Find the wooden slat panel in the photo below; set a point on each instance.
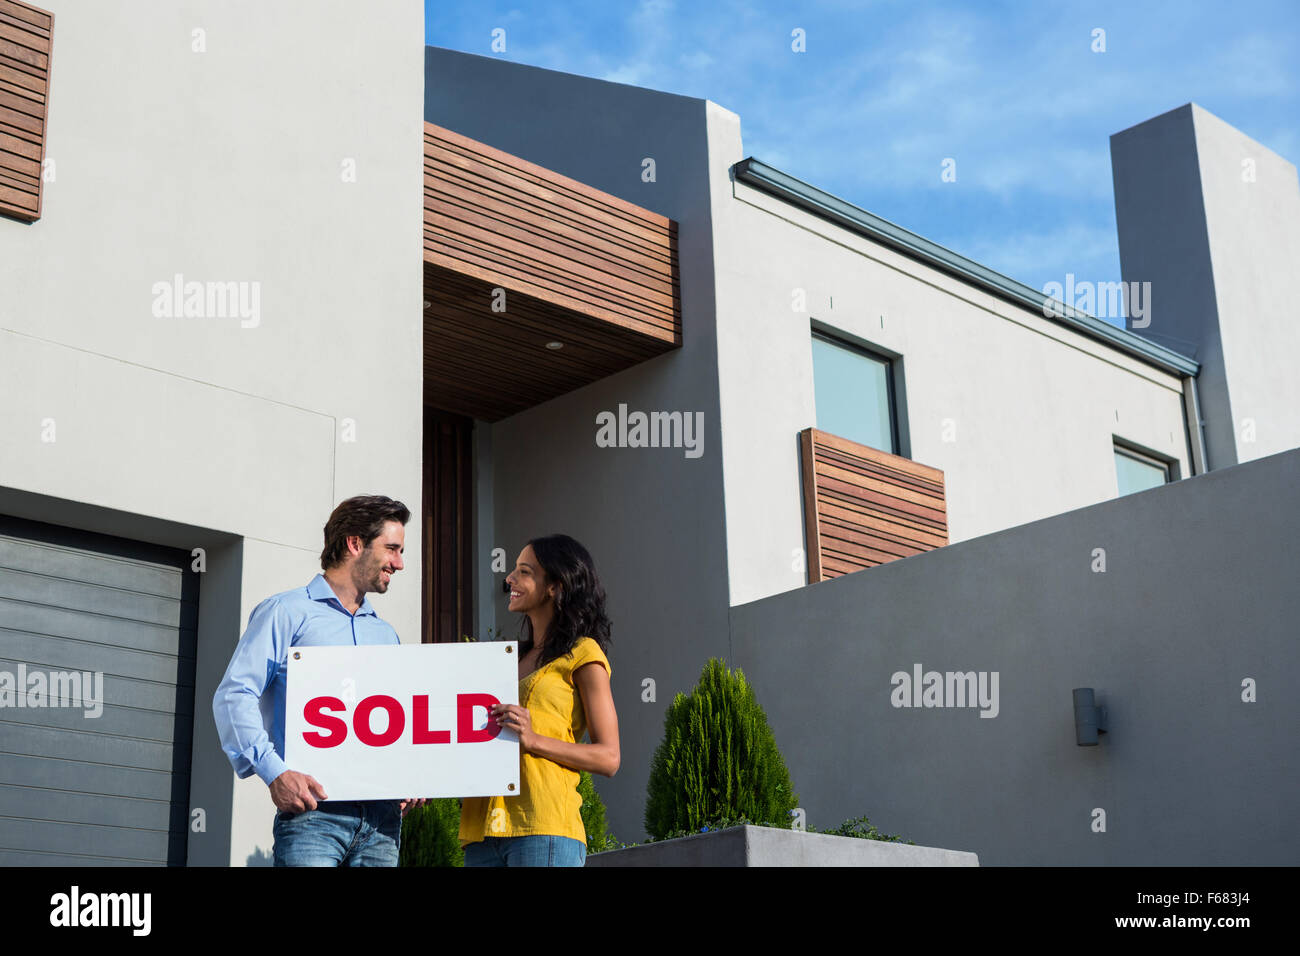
(42, 19)
(852, 518)
(19, 181)
(854, 495)
(812, 507)
(492, 234)
(33, 84)
(20, 53)
(836, 476)
(861, 556)
(467, 167)
(504, 266)
(21, 147)
(21, 125)
(519, 274)
(864, 507)
(22, 24)
(16, 199)
(873, 468)
(867, 454)
(26, 37)
(603, 205)
(621, 246)
(578, 266)
(27, 168)
(18, 102)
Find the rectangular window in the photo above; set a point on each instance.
(25, 37)
(1138, 471)
(854, 391)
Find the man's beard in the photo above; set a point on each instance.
(373, 577)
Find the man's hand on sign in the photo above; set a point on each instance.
(516, 718)
(409, 805)
(295, 792)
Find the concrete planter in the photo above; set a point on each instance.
(768, 846)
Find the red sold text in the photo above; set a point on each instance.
(336, 728)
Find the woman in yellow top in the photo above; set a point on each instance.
(563, 694)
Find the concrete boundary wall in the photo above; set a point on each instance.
(1195, 611)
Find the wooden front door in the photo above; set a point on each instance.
(448, 538)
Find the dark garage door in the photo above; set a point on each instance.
(76, 789)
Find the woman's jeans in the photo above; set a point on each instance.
(532, 850)
(340, 833)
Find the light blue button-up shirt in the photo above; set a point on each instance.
(249, 703)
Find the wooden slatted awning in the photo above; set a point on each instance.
(518, 257)
(864, 507)
(26, 34)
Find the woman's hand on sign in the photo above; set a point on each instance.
(514, 718)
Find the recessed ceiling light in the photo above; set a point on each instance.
(553, 346)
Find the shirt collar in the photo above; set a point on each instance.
(319, 590)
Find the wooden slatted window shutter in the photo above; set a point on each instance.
(26, 35)
(864, 507)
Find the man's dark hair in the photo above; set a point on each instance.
(365, 516)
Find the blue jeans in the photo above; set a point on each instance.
(533, 850)
(340, 833)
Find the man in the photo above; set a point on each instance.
(364, 540)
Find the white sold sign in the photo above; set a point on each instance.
(387, 723)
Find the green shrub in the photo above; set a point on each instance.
(593, 814)
(430, 835)
(599, 839)
(722, 823)
(718, 760)
(863, 828)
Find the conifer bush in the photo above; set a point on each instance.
(592, 812)
(718, 761)
(431, 835)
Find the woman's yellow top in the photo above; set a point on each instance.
(548, 800)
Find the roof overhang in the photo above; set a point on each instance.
(773, 181)
(519, 260)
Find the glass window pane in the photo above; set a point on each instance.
(1134, 475)
(852, 394)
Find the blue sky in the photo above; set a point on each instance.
(887, 90)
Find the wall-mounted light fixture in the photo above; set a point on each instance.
(1089, 719)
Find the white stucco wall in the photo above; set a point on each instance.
(225, 165)
(1252, 215)
(1033, 407)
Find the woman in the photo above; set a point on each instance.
(563, 693)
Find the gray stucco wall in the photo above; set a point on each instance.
(651, 517)
(1211, 219)
(1197, 596)
(225, 163)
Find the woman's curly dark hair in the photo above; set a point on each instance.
(579, 603)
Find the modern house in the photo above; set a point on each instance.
(730, 385)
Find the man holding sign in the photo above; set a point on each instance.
(364, 540)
